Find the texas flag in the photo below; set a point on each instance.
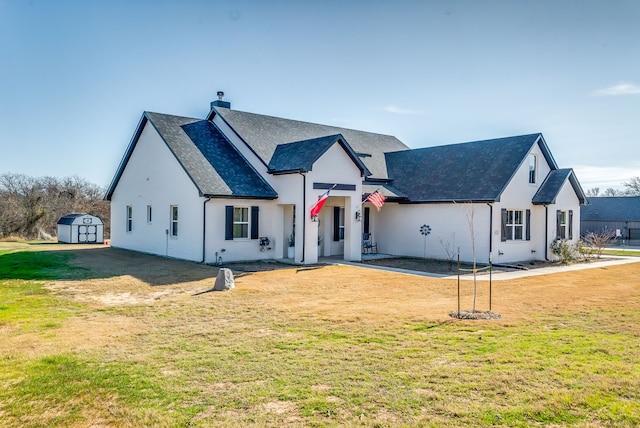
(315, 209)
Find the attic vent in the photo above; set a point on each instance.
(364, 155)
(219, 102)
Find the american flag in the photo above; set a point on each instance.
(377, 199)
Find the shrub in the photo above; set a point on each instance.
(565, 250)
(584, 250)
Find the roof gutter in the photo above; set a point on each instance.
(204, 229)
(490, 234)
(546, 232)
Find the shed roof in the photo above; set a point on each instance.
(474, 171)
(71, 218)
(613, 208)
(263, 134)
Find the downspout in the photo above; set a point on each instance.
(304, 218)
(546, 232)
(490, 232)
(204, 228)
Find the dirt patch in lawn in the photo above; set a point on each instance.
(337, 293)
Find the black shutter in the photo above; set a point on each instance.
(336, 223)
(503, 234)
(570, 225)
(528, 226)
(254, 222)
(367, 212)
(228, 223)
(558, 220)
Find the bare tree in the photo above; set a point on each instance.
(469, 211)
(599, 240)
(593, 192)
(613, 192)
(31, 207)
(449, 249)
(633, 186)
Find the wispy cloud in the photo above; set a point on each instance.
(621, 88)
(398, 110)
(605, 176)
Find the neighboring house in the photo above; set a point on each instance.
(619, 213)
(237, 186)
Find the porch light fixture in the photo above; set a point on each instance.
(358, 215)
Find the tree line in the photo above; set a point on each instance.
(31, 207)
(632, 188)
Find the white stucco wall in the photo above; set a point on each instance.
(154, 177)
(566, 200)
(517, 196)
(397, 230)
(242, 249)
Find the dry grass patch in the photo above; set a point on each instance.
(325, 346)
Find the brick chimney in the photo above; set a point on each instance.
(219, 102)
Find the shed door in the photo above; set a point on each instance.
(87, 234)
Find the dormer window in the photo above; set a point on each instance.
(532, 169)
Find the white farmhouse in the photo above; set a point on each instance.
(240, 186)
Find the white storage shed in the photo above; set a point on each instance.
(78, 228)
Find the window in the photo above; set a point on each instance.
(516, 225)
(174, 220)
(149, 214)
(129, 218)
(338, 224)
(564, 224)
(532, 169)
(240, 222)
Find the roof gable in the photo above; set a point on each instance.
(550, 188)
(301, 155)
(263, 134)
(214, 166)
(474, 171)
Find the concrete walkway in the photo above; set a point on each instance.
(501, 276)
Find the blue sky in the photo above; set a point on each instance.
(75, 76)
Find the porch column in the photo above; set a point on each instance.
(352, 235)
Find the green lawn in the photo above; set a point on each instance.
(230, 364)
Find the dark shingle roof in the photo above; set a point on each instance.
(301, 155)
(216, 168)
(616, 208)
(475, 171)
(552, 185)
(263, 134)
(237, 176)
